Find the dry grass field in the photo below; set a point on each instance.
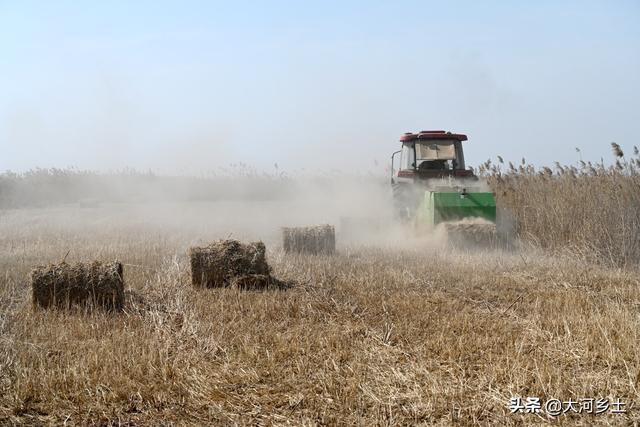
(402, 333)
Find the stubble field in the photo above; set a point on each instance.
(382, 334)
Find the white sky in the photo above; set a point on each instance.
(188, 87)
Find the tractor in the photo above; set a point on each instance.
(432, 188)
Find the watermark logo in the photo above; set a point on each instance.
(557, 407)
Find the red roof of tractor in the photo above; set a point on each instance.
(431, 135)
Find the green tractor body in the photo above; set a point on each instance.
(437, 207)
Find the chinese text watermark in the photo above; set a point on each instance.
(557, 407)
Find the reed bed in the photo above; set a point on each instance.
(589, 209)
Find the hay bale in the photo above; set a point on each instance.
(218, 264)
(471, 234)
(62, 285)
(316, 240)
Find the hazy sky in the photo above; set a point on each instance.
(189, 86)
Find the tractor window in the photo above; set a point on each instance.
(439, 155)
(441, 150)
(408, 157)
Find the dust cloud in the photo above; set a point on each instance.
(246, 205)
(201, 208)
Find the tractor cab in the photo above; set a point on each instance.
(430, 186)
(429, 154)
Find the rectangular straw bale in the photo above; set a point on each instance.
(218, 264)
(315, 240)
(95, 284)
